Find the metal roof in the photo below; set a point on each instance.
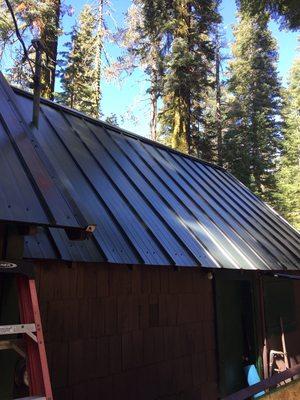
(151, 204)
(30, 191)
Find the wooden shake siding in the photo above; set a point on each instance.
(115, 333)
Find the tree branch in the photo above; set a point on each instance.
(26, 55)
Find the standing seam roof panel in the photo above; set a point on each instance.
(138, 232)
(48, 195)
(192, 216)
(152, 205)
(271, 235)
(155, 199)
(112, 242)
(215, 201)
(135, 198)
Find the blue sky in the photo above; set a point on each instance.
(129, 98)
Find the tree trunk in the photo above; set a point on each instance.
(49, 38)
(218, 105)
(154, 114)
(99, 54)
(188, 130)
(154, 90)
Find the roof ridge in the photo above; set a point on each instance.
(117, 128)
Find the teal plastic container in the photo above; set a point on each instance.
(253, 378)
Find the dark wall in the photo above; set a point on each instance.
(116, 333)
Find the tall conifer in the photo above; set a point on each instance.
(253, 127)
(79, 72)
(146, 46)
(288, 176)
(286, 11)
(214, 113)
(39, 19)
(188, 71)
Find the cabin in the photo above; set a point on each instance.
(159, 276)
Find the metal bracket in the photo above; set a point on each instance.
(27, 329)
(15, 344)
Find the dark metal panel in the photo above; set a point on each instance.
(227, 237)
(276, 221)
(60, 143)
(176, 209)
(53, 243)
(262, 225)
(205, 202)
(211, 235)
(33, 166)
(40, 246)
(54, 204)
(234, 208)
(118, 198)
(259, 255)
(122, 248)
(72, 250)
(265, 235)
(166, 225)
(78, 184)
(262, 210)
(17, 197)
(153, 205)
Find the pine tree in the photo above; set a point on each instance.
(286, 11)
(40, 20)
(214, 113)
(49, 35)
(99, 50)
(6, 28)
(288, 176)
(79, 71)
(144, 40)
(188, 72)
(253, 128)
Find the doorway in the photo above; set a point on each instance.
(236, 332)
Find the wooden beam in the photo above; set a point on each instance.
(263, 327)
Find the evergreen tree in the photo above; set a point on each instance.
(188, 72)
(40, 20)
(144, 40)
(99, 49)
(286, 11)
(6, 28)
(79, 72)
(214, 112)
(49, 35)
(288, 176)
(253, 128)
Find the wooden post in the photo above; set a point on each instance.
(263, 327)
(286, 360)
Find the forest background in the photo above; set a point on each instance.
(219, 80)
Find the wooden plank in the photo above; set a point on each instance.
(264, 385)
(110, 315)
(115, 354)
